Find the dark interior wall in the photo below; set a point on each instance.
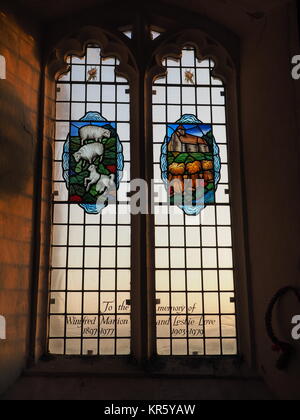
(271, 162)
(19, 95)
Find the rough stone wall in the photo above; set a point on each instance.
(19, 96)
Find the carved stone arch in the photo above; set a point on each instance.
(206, 47)
(111, 46)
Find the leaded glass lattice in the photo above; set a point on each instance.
(90, 311)
(194, 271)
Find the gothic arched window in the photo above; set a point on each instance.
(194, 264)
(160, 281)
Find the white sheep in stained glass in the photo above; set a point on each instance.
(93, 178)
(106, 183)
(102, 182)
(90, 152)
(93, 132)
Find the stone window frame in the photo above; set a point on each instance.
(208, 43)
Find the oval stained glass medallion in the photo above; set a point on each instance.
(93, 162)
(190, 164)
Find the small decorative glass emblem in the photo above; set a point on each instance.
(189, 77)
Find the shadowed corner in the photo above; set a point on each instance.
(16, 142)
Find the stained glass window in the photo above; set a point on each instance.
(91, 239)
(90, 294)
(195, 310)
(2, 67)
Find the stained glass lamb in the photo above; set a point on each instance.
(93, 132)
(90, 152)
